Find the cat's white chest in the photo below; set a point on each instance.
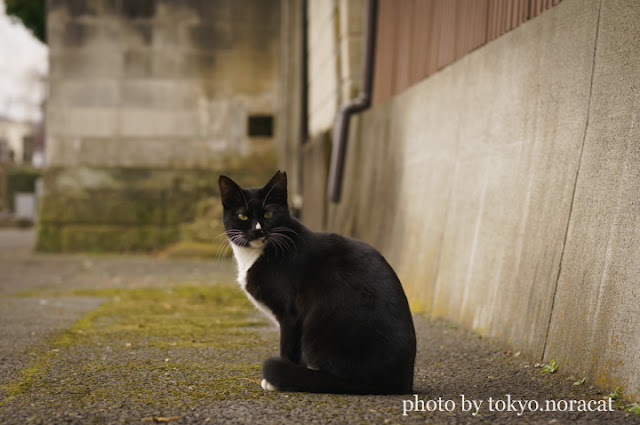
(245, 258)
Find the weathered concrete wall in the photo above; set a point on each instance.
(291, 104)
(504, 190)
(335, 45)
(154, 83)
(157, 86)
(12, 136)
(595, 324)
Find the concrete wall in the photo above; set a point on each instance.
(335, 47)
(12, 136)
(595, 322)
(504, 190)
(153, 83)
(158, 87)
(324, 64)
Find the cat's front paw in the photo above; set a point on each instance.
(267, 386)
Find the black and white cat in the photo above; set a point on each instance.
(345, 324)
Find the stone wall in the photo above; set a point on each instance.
(146, 96)
(504, 190)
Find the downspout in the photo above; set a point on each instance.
(361, 103)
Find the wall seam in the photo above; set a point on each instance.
(575, 183)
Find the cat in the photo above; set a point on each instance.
(344, 320)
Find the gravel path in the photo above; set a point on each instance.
(135, 339)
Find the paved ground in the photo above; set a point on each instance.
(131, 339)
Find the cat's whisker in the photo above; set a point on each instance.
(282, 229)
(286, 237)
(222, 250)
(283, 246)
(285, 229)
(221, 235)
(276, 243)
(283, 242)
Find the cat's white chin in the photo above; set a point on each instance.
(257, 243)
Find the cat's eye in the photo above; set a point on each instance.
(268, 214)
(243, 217)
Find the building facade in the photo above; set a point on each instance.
(149, 101)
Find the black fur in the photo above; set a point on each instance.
(345, 324)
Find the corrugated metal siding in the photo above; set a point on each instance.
(417, 37)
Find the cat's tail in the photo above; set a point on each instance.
(283, 375)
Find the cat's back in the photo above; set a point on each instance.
(341, 250)
(338, 261)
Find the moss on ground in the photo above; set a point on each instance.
(181, 345)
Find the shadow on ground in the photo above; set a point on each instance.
(114, 339)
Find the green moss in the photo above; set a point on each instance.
(117, 209)
(103, 238)
(189, 316)
(155, 338)
(191, 249)
(48, 239)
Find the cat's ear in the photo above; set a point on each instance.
(276, 189)
(230, 192)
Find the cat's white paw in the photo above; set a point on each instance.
(267, 386)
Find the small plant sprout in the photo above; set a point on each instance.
(552, 367)
(616, 394)
(635, 408)
(580, 381)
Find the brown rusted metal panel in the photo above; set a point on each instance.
(417, 37)
(404, 48)
(422, 34)
(385, 52)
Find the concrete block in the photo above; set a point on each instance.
(352, 14)
(254, 73)
(168, 64)
(323, 86)
(315, 166)
(92, 122)
(321, 21)
(351, 57)
(105, 62)
(595, 326)
(141, 122)
(261, 15)
(138, 9)
(84, 93)
(160, 93)
(78, 34)
(110, 238)
(199, 64)
(166, 36)
(137, 63)
(321, 117)
(85, 8)
(206, 37)
(138, 35)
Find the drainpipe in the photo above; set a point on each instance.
(361, 103)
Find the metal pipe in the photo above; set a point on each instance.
(361, 103)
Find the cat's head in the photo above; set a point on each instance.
(255, 216)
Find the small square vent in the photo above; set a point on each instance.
(260, 126)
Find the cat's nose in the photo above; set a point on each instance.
(257, 230)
